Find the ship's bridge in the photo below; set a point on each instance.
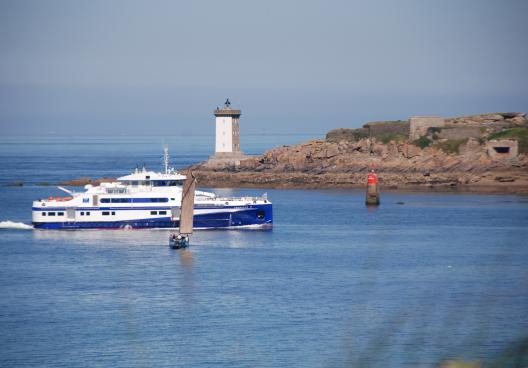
(151, 178)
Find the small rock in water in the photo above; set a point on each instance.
(15, 184)
(400, 202)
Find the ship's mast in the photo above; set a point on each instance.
(166, 158)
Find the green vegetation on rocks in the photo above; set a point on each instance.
(388, 123)
(451, 145)
(387, 137)
(519, 134)
(343, 134)
(422, 142)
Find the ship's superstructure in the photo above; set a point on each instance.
(147, 199)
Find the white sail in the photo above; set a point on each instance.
(187, 205)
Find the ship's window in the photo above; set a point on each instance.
(120, 200)
(153, 212)
(116, 191)
(86, 200)
(159, 199)
(173, 183)
(260, 214)
(113, 213)
(147, 177)
(87, 213)
(82, 213)
(105, 200)
(134, 183)
(60, 213)
(173, 199)
(106, 213)
(162, 212)
(43, 213)
(51, 213)
(147, 200)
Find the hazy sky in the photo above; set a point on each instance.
(161, 67)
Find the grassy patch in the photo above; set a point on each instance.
(387, 123)
(451, 145)
(387, 137)
(519, 134)
(351, 135)
(422, 142)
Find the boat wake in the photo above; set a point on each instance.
(15, 225)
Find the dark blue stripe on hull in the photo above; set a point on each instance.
(260, 215)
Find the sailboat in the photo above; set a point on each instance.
(186, 215)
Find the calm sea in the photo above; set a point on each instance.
(423, 278)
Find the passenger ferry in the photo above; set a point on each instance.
(147, 199)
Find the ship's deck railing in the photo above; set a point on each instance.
(243, 199)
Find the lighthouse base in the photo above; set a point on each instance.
(227, 158)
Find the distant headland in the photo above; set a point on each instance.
(483, 153)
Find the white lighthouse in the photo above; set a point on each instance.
(227, 121)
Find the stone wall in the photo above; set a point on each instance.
(459, 132)
(420, 124)
(380, 128)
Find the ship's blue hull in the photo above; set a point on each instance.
(260, 216)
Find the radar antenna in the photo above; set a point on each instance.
(227, 103)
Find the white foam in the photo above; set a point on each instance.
(15, 225)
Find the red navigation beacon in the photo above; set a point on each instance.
(372, 178)
(372, 197)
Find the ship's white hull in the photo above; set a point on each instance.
(146, 199)
(246, 216)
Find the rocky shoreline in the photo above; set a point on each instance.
(343, 159)
(457, 157)
(422, 173)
